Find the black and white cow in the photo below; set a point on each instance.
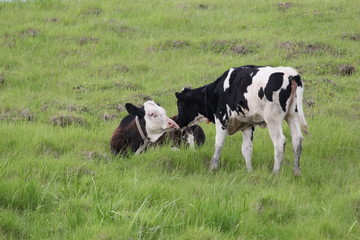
(244, 97)
(136, 131)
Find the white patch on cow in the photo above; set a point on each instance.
(156, 121)
(190, 140)
(227, 79)
(228, 110)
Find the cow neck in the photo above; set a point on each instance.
(208, 114)
(143, 136)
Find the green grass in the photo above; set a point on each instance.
(77, 60)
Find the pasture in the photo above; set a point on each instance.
(67, 68)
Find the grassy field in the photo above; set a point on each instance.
(68, 67)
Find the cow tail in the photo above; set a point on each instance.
(299, 104)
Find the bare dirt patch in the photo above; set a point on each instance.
(120, 29)
(9, 41)
(27, 114)
(47, 148)
(87, 40)
(30, 32)
(107, 116)
(110, 71)
(202, 6)
(67, 120)
(310, 103)
(52, 19)
(294, 49)
(329, 81)
(285, 6)
(75, 108)
(139, 99)
(17, 115)
(92, 11)
(116, 106)
(80, 88)
(94, 155)
(237, 47)
(126, 85)
(120, 68)
(354, 37)
(345, 69)
(120, 84)
(169, 45)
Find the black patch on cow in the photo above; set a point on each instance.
(252, 133)
(274, 84)
(284, 96)
(261, 93)
(296, 110)
(240, 79)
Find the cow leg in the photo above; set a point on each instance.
(219, 143)
(279, 140)
(296, 138)
(247, 146)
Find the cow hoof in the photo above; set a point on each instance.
(276, 172)
(297, 172)
(213, 167)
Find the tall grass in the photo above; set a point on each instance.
(64, 64)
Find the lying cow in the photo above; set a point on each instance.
(244, 97)
(190, 136)
(149, 125)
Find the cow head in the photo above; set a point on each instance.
(190, 109)
(156, 121)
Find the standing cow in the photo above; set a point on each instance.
(244, 97)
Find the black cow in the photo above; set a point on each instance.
(149, 125)
(244, 97)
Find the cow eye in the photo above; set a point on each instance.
(153, 115)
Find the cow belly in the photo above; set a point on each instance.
(239, 123)
(235, 126)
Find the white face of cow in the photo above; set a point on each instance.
(156, 120)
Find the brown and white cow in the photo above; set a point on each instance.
(244, 97)
(149, 125)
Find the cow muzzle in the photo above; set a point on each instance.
(172, 124)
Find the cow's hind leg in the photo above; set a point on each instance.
(296, 138)
(276, 133)
(247, 146)
(219, 143)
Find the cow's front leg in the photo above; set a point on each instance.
(247, 146)
(219, 143)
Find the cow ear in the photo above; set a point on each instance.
(186, 89)
(180, 96)
(133, 110)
